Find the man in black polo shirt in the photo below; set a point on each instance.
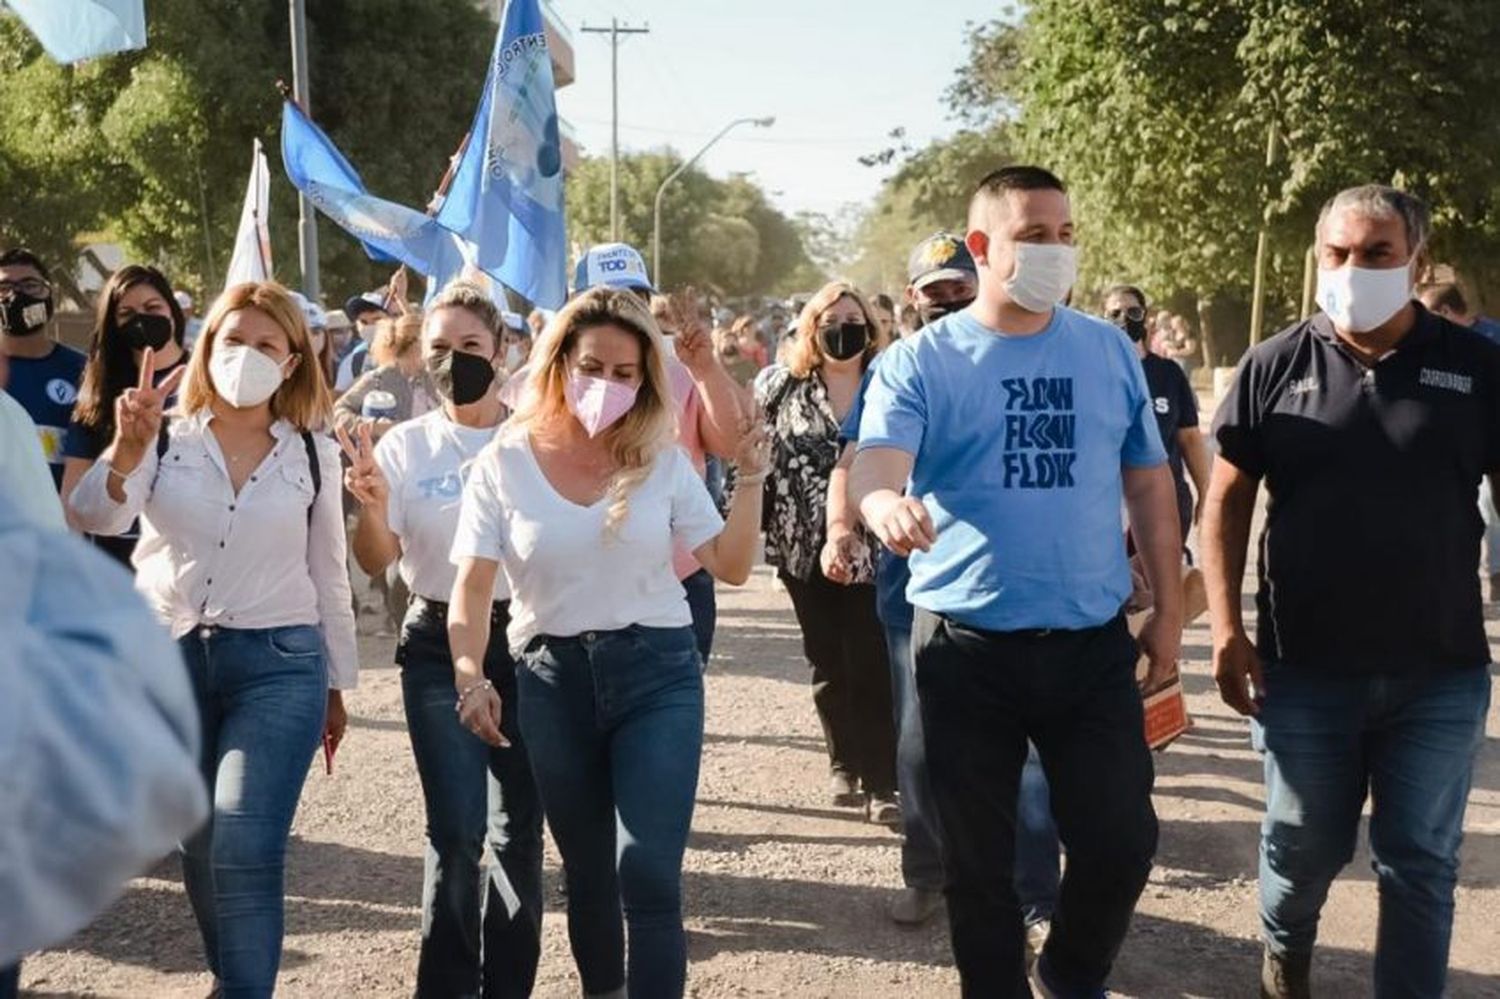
(1371, 425)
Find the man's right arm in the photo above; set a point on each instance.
(876, 484)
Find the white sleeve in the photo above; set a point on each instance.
(695, 519)
(481, 522)
(95, 511)
(327, 564)
(391, 456)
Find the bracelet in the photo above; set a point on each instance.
(122, 476)
(750, 480)
(463, 695)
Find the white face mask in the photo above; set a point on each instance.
(1045, 273)
(1359, 299)
(513, 357)
(244, 377)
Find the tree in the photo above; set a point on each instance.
(151, 148)
(723, 236)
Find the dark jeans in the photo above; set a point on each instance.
(614, 721)
(262, 696)
(851, 677)
(1073, 694)
(10, 982)
(469, 789)
(1408, 742)
(703, 604)
(1037, 852)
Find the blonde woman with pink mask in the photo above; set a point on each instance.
(580, 498)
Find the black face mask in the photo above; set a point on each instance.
(147, 330)
(25, 314)
(461, 378)
(933, 311)
(1134, 328)
(844, 341)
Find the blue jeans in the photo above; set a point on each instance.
(1406, 741)
(470, 788)
(262, 696)
(1037, 850)
(703, 604)
(614, 722)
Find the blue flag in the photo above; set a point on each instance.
(389, 231)
(507, 193)
(71, 30)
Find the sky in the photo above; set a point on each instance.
(837, 75)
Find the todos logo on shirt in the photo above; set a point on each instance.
(1040, 427)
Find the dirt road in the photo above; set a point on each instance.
(785, 895)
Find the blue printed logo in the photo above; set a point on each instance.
(1040, 428)
(62, 392)
(448, 486)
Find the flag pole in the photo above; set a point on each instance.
(307, 220)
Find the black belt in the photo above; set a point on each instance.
(1037, 634)
(439, 608)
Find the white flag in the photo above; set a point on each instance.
(252, 244)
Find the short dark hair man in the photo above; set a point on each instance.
(1017, 428)
(44, 374)
(1371, 425)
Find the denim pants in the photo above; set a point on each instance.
(479, 937)
(1037, 849)
(703, 604)
(614, 723)
(262, 697)
(1406, 741)
(1073, 694)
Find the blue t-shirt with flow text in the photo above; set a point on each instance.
(891, 573)
(1019, 443)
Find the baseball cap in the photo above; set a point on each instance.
(940, 257)
(358, 305)
(617, 265)
(336, 320)
(184, 300)
(311, 311)
(515, 322)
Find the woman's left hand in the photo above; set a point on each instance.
(338, 721)
(753, 458)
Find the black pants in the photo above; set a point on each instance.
(1073, 693)
(851, 677)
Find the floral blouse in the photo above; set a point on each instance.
(805, 448)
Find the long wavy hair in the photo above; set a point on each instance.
(806, 352)
(646, 430)
(111, 365)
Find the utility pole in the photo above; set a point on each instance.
(615, 30)
(307, 221)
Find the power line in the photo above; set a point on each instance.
(615, 30)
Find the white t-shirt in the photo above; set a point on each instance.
(566, 577)
(426, 462)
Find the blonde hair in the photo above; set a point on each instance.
(805, 353)
(394, 338)
(303, 399)
(646, 430)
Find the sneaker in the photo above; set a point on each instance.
(845, 795)
(1286, 976)
(1042, 989)
(1036, 939)
(883, 809)
(915, 906)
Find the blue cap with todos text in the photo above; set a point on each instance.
(617, 265)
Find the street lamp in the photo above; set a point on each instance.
(766, 122)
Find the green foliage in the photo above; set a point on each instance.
(137, 148)
(722, 236)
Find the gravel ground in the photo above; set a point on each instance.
(785, 895)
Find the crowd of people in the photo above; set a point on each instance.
(960, 489)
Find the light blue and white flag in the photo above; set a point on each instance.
(71, 30)
(506, 198)
(389, 231)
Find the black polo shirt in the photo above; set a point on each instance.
(1369, 561)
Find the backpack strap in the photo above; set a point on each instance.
(313, 469)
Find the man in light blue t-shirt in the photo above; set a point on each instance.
(997, 449)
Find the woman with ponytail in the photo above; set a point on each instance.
(580, 497)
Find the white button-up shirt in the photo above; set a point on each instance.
(210, 558)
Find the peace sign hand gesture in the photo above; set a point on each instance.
(694, 341)
(363, 477)
(138, 410)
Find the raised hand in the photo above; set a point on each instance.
(753, 459)
(138, 410)
(694, 341)
(363, 477)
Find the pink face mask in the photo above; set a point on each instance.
(598, 402)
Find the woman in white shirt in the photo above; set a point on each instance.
(242, 556)
(580, 497)
(409, 491)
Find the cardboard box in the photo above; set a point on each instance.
(1166, 715)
